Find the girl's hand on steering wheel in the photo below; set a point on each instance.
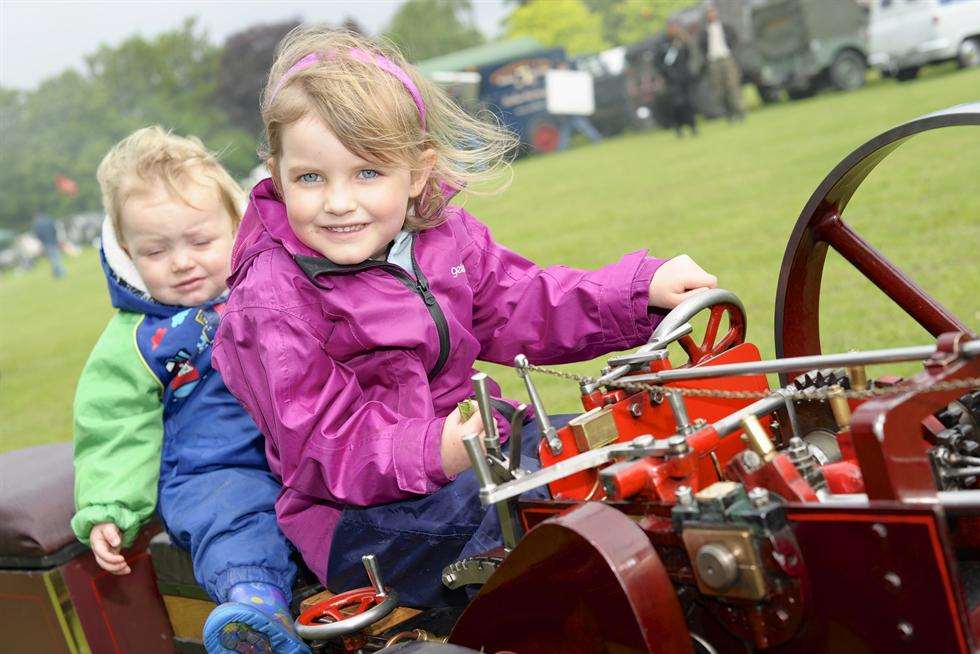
(454, 458)
(678, 279)
(106, 542)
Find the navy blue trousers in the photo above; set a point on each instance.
(415, 539)
(217, 500)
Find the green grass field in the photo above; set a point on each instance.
(728, 198)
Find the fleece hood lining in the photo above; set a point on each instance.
(120, 263)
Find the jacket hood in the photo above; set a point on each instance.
(266, 226)
(127, 290)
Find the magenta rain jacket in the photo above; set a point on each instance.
(350, 371)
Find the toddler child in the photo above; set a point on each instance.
(153, 419)
(361, 299)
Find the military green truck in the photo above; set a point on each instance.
(799, 45)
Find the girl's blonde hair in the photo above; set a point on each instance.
(150, 155)
(373, 114)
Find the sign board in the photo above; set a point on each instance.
(570, 93)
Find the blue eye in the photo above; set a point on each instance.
(369, 174)
(309, 178)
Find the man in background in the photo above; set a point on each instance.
(677, 62)
(717, 41)
(46, 231)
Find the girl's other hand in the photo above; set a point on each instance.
(678, 279)
(454, 458)
(106, 542)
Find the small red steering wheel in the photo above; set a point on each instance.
(719, 302)
(339, 607)
(350, 612)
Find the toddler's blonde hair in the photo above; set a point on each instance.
(373, 114)
(151, 155)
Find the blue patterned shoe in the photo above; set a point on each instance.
(237, 628)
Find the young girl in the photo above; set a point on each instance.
(361, 299)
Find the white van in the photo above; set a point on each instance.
(906, 34)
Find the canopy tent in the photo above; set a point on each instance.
(480, 55)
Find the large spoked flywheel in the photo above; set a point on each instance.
(821, 225)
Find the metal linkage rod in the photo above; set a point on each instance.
(794, 364)
(640, 446)
(548, 431)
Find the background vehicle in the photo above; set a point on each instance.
(800, 45)
(904, 35)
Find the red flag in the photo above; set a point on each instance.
(66, 185)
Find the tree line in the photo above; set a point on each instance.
(184, 81)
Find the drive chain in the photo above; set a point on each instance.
(803, 394)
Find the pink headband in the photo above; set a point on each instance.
(379, 60)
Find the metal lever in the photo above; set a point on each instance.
(506, 511)
(491, 438)
(374, 574)
(547, 429)
(478, 460)
(514, 445)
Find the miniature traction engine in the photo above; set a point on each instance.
(695, 508)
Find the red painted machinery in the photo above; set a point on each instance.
(695, 509)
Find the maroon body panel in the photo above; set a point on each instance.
(120, 614)
(587, 581)
(890, 440)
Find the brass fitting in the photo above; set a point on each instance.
(757, 438)
(840, 407)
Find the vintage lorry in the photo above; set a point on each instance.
(694, 506)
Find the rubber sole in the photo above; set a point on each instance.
(235, 628)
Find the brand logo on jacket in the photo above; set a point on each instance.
(457, 270)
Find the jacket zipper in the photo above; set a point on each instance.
(418, 285)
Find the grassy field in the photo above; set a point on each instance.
(728, 198)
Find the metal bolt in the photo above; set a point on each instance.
(759, 497)
(677, 445)
(782, 615)
(905, 630)
(893, 580)
(880, 530)
(751, 460)
(636, 410)
(685, 496)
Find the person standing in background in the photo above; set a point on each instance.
(717, 41)
(676, 62)
(46, 231)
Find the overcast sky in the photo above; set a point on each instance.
(42, 38)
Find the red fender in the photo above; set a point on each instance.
(587, 581)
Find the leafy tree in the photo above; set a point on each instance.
(245, 62)
(629, 21)
(69, 122)
(567, 23)
(423, 29)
